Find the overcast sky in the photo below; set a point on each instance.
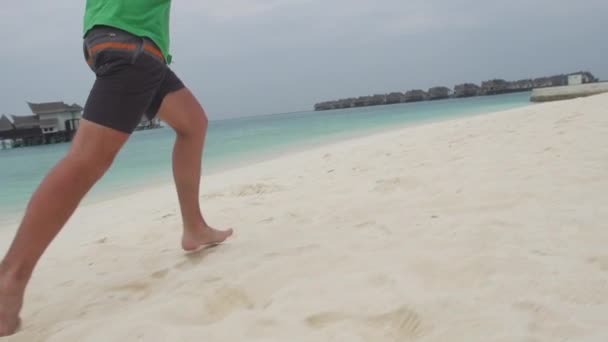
(249, 57)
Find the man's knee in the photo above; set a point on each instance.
(195, 127)
(182, 111)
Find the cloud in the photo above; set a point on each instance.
(228, 10)
(285, 55)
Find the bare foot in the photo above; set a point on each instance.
(194, 239)
(11, 300)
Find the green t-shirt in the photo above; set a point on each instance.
(144, 18)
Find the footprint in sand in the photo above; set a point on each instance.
(324, 319)
(256, 189)
(360, 169)
(213, 195)
(160, 274)
(373, 225)
(227, 300)
(385, 185)
(396, 325)
(67, 284)
(297, 217)
(600, 261)
(544, 320)
(568, 118)
(137, 290)
(167, 215)
(267, 220)
(380, 280)
(212, 279)
(297, 251)
(214, 305)
(392, 184)
(365, 224)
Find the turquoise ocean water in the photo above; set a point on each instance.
(146, 158)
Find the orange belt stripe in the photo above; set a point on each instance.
(126, 46)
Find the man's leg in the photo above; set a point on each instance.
(91, 154)
(185, 115)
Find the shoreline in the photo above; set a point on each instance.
(162, 182)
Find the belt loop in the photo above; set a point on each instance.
(87, 54)
(85, 50)
(138, 51)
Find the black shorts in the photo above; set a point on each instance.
(132, 78)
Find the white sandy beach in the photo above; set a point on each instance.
(492, 228)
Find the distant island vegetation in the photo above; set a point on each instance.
(490, 87)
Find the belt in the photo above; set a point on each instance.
(148, 47)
